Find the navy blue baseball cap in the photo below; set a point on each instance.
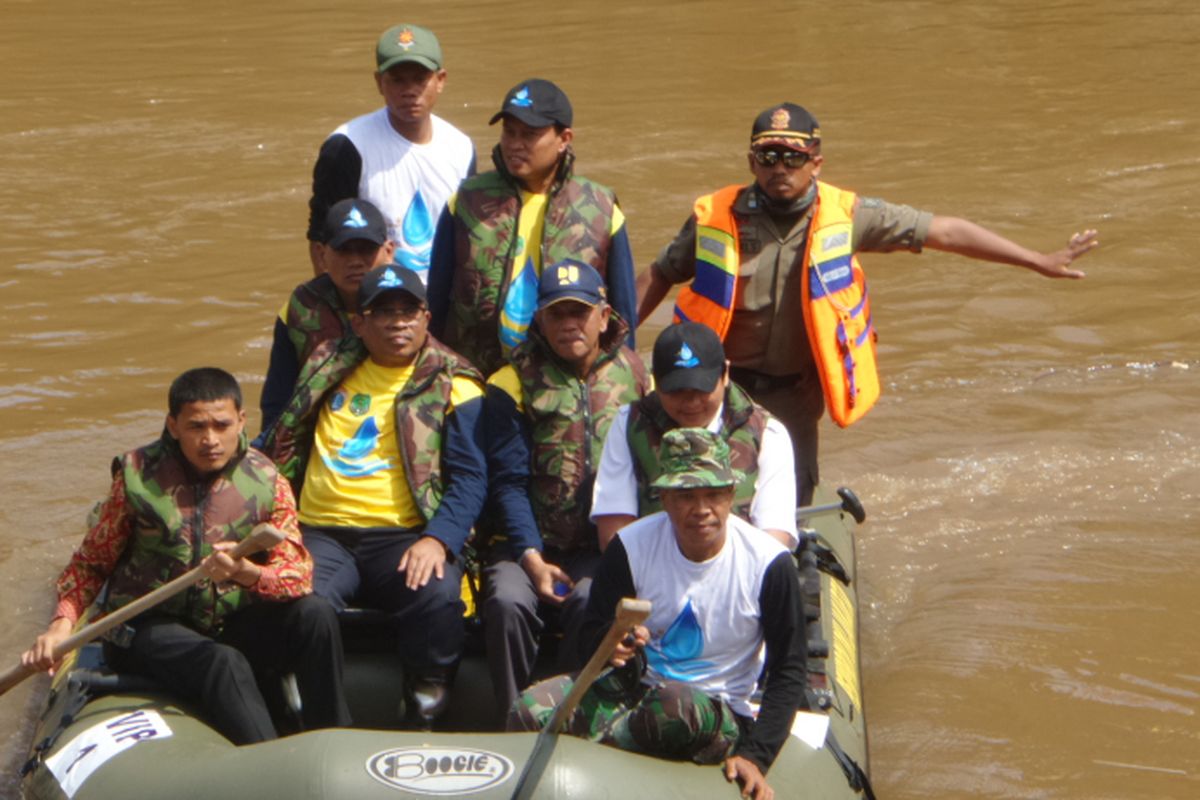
(570, 280)
(388, 278)
(688, 355)
(354, 218)
(536, 102)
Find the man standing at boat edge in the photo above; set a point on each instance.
(772, 267)
(403, 158)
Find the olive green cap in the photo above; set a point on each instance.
(406, 42)
(694, 458)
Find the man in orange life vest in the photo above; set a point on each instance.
(772, 268)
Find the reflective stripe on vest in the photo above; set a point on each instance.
(837, 310)
(710, 297)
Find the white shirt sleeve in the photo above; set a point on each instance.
(774, 504)
(615, 490)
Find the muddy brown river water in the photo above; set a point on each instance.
(1031, 617)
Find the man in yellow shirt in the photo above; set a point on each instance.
(383, 440)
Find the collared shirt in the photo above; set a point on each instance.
(774, 503)
(767, 333)
(286, 575)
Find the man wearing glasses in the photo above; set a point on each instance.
(772, 268)
(383, 443)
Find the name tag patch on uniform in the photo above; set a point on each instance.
(88, 751)
(840, 239)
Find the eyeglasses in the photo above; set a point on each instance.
(792, 159)
(390, 314)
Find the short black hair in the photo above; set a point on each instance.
(203, 385)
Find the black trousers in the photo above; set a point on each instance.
(221, 674)
(358, 566)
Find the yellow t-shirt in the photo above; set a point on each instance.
(355, 476)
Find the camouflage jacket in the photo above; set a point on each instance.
(315, 314)
(177, 519)
(578, 224)
(742, 425)
(420, 410)
(568, 421)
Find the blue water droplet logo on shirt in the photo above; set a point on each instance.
(356, 457)
(416, 231)
(519, 305)
(677, 655)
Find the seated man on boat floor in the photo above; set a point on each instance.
(693, 389)
(546, 415)
(354, 239)
(186, 500)
(383, 439)
(725, 603)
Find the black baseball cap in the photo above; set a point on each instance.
(354, 218)
(688, 355)
(385, 279)
(537, 103)
(786, 124)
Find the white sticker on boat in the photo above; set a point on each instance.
(811, 728)
(439, 771)
(84, 754)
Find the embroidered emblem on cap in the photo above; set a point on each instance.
(687, 359)
(781, 119)
(568, 275)
(390, 279)
(354, 219)
(522, 98)
(406, 39)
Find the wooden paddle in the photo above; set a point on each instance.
(263, 537)
(630, 613)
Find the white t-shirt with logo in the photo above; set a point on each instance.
(408, 182)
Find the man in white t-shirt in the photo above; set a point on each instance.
(726, 609)
(692, 389)
(402, 157)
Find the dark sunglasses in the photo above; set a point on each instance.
(792, 159)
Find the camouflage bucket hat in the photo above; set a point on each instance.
(694, 458)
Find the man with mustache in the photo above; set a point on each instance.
(772, 267)
(547, 414)
(503, 227)
(383, 440)
(682, 682)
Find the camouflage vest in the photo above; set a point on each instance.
(420, 412)
(315, 314)
(177, 520)
(578, 225)
(742, 425)
(568, 419)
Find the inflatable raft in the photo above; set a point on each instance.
(104, 736)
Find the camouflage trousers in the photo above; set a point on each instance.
(670, 720)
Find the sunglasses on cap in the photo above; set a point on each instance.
(792, 159)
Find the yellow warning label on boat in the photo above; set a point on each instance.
(845, 642)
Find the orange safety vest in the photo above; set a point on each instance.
(837, 311)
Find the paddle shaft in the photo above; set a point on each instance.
(263, 537)
(630, 613)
